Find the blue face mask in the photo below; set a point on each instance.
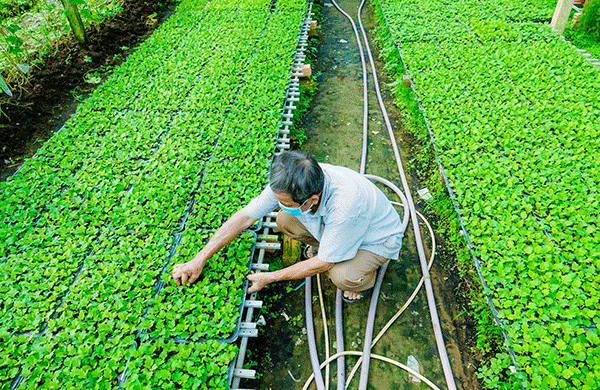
(296, 212)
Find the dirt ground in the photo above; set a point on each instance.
(56, 84)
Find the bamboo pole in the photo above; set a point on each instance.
(75, 20)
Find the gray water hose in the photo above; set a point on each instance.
(339, 337)
(312, 346)
(364, 370)
(412, 212)
(363, 159)
(439, 338)
(339, 334)
(310, 330)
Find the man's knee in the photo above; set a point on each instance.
(283, 220)
(293, 228)
(357, 274)
(346, 280)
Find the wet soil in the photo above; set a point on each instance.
(333, 125)
(57, 81)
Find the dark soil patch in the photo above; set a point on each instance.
(56, 84)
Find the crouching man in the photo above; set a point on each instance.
(350, 227)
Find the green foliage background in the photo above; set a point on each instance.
(514, 113)
(176, 140)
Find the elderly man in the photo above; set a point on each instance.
(350, 227)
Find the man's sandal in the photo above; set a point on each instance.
(363, 295)
(314, 252)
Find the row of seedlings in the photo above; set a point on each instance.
(479, 83)
(266, 238)
(202, 219)
(252, 118)
(144, 221)
(130, 232)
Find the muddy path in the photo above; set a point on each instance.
(333, 126)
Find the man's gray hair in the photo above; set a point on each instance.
(298, 174)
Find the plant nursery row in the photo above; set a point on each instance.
(514, 114)
(177, 139)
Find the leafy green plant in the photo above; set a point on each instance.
(517, 169)
(14, 55)
(182, 122)
(167, 365)
(21, 40)
(10, 8)
(95, 13)
(590, 20)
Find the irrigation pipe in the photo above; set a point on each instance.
(408, 302)
(439, 338)
(339, 337)
(374, 297)
(310, 332)
(413, 213)
(363, 163)
(369, 328)
(379, 357)
(339, 324)
(325, 329)
(363, 159)
(381, 274)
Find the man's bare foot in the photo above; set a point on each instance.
(352, 297)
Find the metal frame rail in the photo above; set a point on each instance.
(588, 56)
(293, 90)
(583, 52)
(249, 328)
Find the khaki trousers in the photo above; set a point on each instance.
(357, 274)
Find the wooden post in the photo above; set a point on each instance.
(312, 32)
(307, 71)
(75, 20)
(292, 251)
(561, 15)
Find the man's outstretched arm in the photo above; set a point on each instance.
(299, 270)
(189, 272)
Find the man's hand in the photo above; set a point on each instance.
(258, 280)
(187, 273)
(299, 270)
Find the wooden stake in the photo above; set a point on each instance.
(561, 15)
(312, 32)
(306, 70)
(75, 20)
(292, 250)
